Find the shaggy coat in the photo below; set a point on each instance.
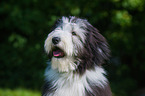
(76, 51)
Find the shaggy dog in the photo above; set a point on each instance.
(76, 51)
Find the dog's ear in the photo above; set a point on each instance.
(97, 45)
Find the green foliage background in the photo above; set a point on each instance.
(24, 25)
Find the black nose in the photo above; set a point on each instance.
(55, 40)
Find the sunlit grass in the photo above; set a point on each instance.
(18, 92)
(22, 92)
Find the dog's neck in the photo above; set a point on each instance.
(65, 64)
(75, 84)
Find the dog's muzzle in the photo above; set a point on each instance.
(56, 51)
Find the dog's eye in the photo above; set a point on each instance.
(74, 33)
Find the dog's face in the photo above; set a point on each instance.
(72, 41)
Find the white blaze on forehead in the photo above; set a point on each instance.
(67, 27)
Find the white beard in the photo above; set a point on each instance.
(64, 64)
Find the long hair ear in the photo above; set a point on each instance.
(97, 46)
(96, 49)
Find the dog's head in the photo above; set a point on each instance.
(75, 44)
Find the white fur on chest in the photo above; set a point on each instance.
(70, 84)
